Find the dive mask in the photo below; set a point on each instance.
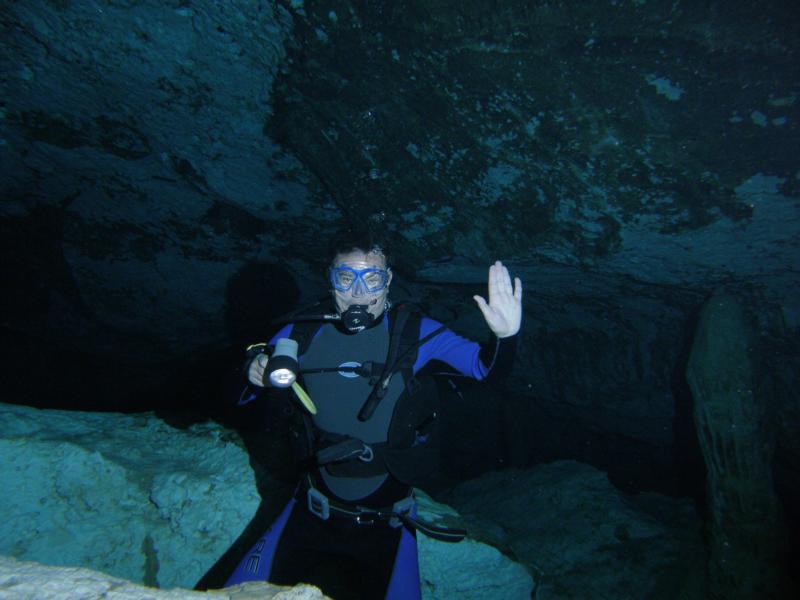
(366, 281)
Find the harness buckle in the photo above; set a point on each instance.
(366, 454)
(400, 508)
(366, 517)
(318, 504)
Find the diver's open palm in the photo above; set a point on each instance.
(503, 312)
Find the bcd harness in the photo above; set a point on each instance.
(409, 453)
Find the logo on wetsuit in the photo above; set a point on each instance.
(350, 365)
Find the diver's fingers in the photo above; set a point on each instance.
(255, 374)
(503, 279)
(495, 282)
(499, 277)
(483, 306)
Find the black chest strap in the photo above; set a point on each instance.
(402, 355)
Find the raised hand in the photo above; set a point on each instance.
(503, 312)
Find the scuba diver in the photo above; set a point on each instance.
(350, 528)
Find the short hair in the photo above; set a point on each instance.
(366, 240)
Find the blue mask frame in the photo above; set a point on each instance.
(359, 275)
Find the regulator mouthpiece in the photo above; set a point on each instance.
(357, 317)
(282, 367)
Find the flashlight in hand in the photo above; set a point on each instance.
(282, 366)
(282, 369)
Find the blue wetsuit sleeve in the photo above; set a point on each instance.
(491, 360)
(252, 392)
(285, 331)
(459, 352)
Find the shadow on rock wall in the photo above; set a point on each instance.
(209, 382)
(256, 294)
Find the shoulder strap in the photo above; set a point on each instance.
(397, 327)
(404, 331)
(302, 333)
(409, 339)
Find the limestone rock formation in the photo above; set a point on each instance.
(138, 499)
(24, 580)
(736, 425)
(124, 494)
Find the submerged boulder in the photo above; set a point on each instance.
(138, 499)
(467, 569)
(128, 495)
(583, 538)
(33, 581)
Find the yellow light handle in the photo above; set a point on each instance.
(303, 396)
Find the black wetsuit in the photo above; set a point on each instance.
(345, 558)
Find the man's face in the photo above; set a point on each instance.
(360, 281)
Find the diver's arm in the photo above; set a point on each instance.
(467, 357)
(503, 315)
(248, 394)
(251, 383)
(498, 356)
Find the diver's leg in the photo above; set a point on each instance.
(347, 561)
(404, 583)
(318, 552)
(256, 564)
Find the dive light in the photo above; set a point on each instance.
(282, 367)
